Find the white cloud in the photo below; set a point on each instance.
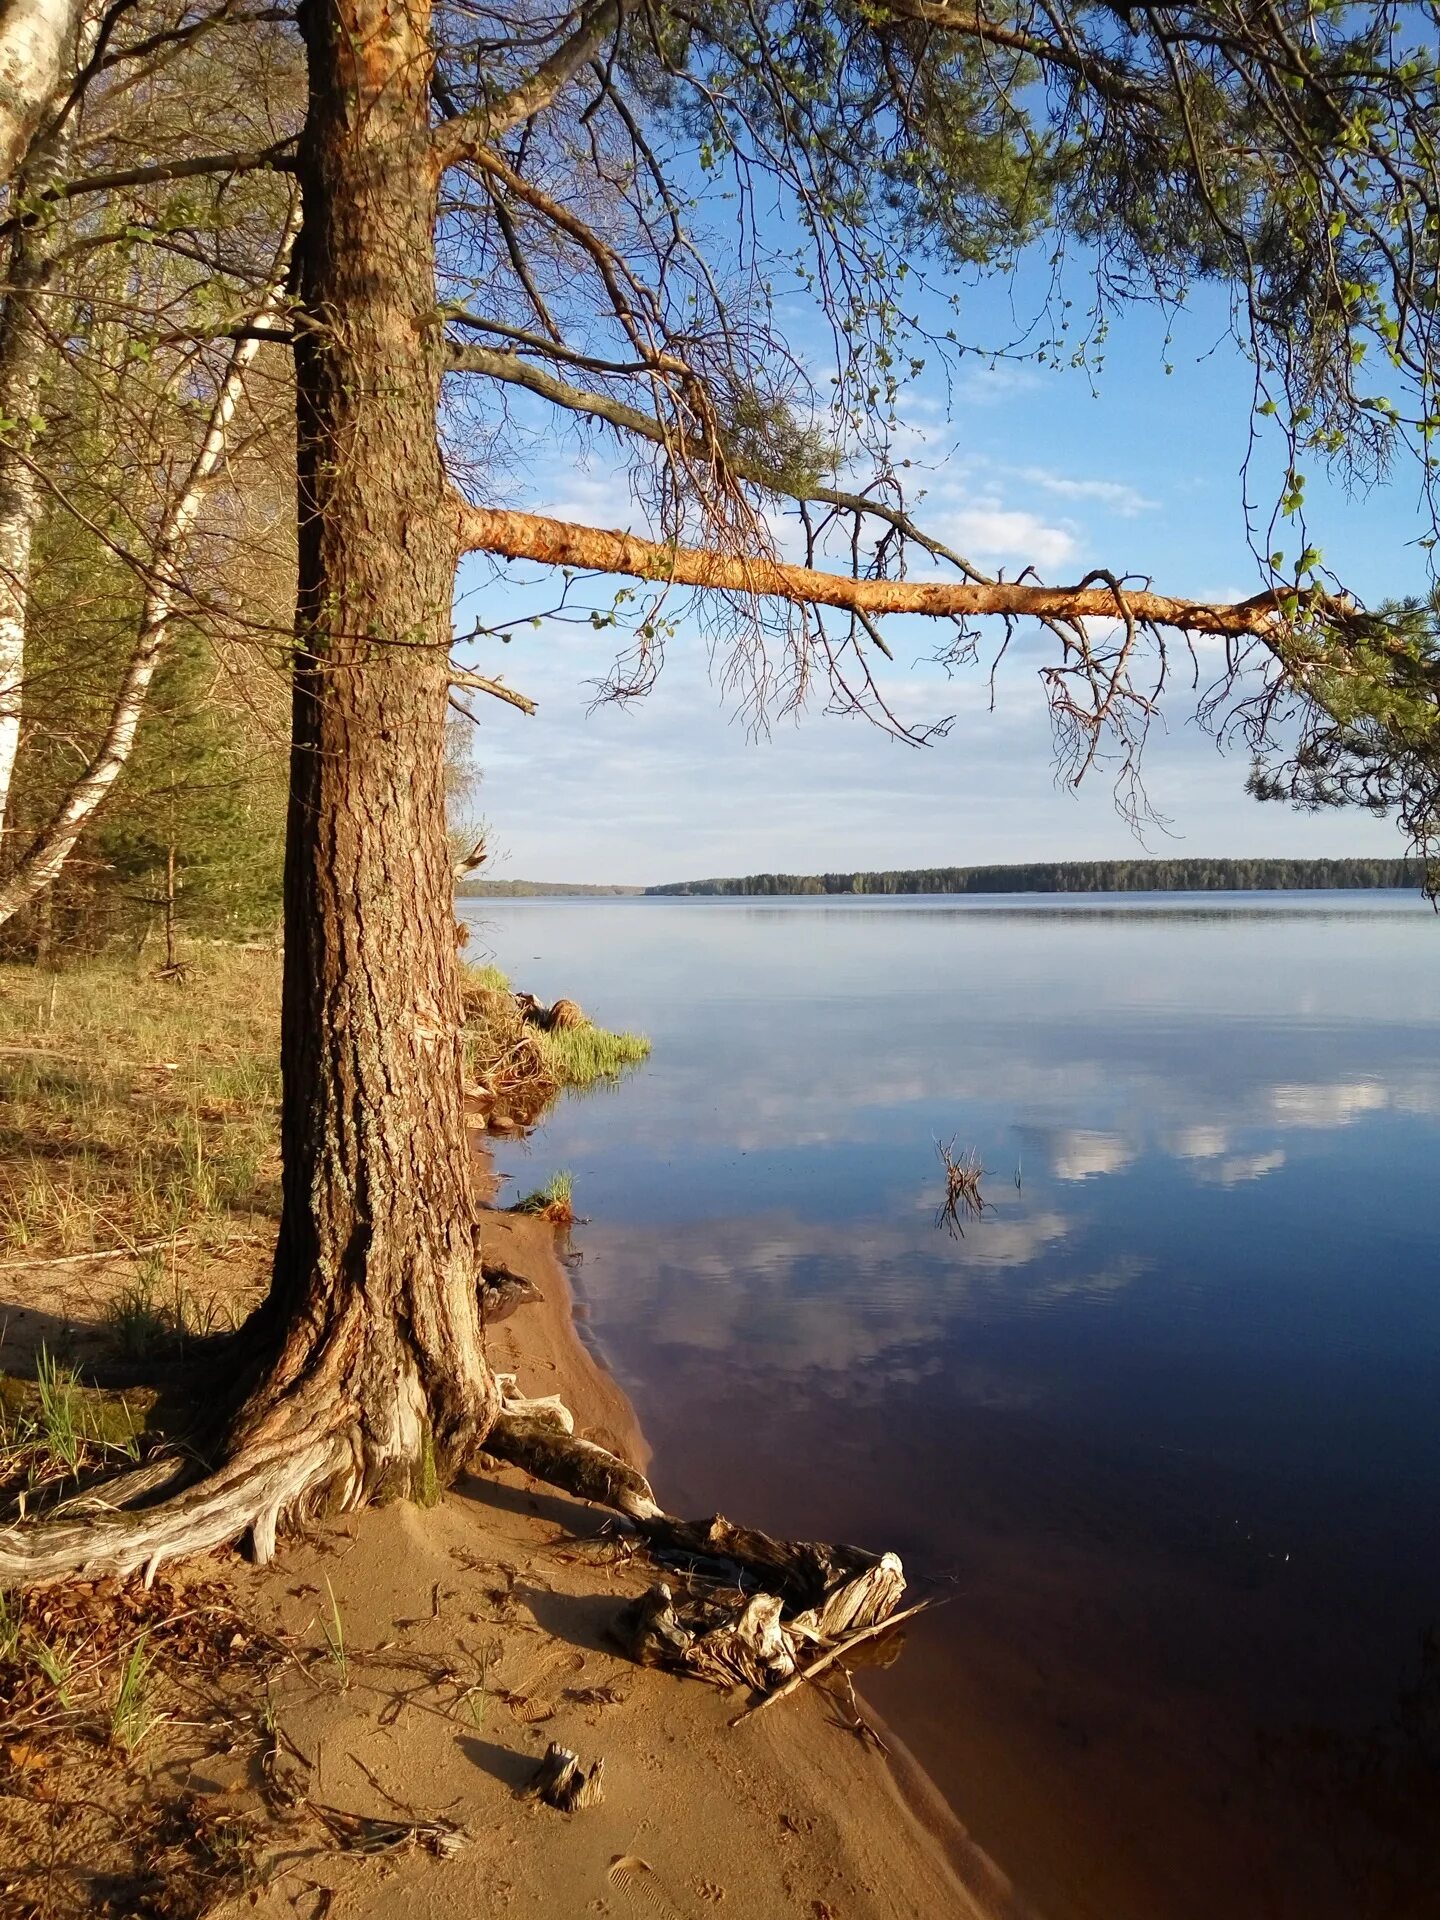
(1120, 498)
(1077, 1154)
(1197, 1143)
(989, 531)
(1327, 1106)
(1239, 1168)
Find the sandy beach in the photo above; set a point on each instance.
(501, 1598)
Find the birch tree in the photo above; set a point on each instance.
(515, 197)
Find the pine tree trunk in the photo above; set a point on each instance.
(365, 1369)
(375, 1281)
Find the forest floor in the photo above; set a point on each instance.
(350, 1731)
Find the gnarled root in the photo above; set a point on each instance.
(536, 1441)
(247, 1495)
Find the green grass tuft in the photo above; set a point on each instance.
(132, 1714)
(556, 1197)
(579, 1057)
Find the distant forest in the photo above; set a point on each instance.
(1079, 876)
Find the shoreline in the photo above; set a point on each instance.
(546, 1340)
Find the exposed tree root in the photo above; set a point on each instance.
(247, 1495)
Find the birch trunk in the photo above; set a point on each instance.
(37, 40)
(42, 862)
(33, 258)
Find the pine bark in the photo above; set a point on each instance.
(374, 1294)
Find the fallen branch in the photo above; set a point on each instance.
(828, 1659)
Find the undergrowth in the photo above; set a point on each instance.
(54, 1432)
(555, 1199)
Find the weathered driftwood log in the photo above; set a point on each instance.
(534, 1439)
(502, 1291)
(562, 1782)
(731, 1637)
(767, 1607)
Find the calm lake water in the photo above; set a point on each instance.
(1161, 1430)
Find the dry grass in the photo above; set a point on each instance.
(963, 1200)
(134, 1109)
(105, 1689)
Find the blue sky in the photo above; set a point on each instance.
(1137, 471)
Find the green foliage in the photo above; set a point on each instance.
(1370, 726)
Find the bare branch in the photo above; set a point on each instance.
(510, 368)
(459, 139)
(280, 158)
(480, 683)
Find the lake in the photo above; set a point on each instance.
(1161, 1430)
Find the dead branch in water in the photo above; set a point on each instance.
(963, 1199)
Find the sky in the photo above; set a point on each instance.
(1136, 470)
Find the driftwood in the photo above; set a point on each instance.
(829, 1658)
(561, 1781)
(755, 1611)
(733, 1638)
(502, 1291)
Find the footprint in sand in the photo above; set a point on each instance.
(642, 1887)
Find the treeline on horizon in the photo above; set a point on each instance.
(1080, 876)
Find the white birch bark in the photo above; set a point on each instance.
(44, 859)
(37, 42)
(33, 258)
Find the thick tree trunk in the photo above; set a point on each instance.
(368, 1369)
(375, 1279)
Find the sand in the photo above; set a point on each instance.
(476, 1632)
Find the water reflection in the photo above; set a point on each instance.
(1163, 1419)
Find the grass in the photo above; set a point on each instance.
(55, 1431)
(334, 1631)
(555, 1200)
(134, 1110)
(519, 1066)
(132, 1713)
(9, 1628)
(581, 1056)
(54, 1661)
(144, 1324)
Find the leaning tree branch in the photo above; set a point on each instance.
(463, 136)
(513, 535)
(510, 368)
(279, 157)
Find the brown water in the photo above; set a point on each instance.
(1161, 1431)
